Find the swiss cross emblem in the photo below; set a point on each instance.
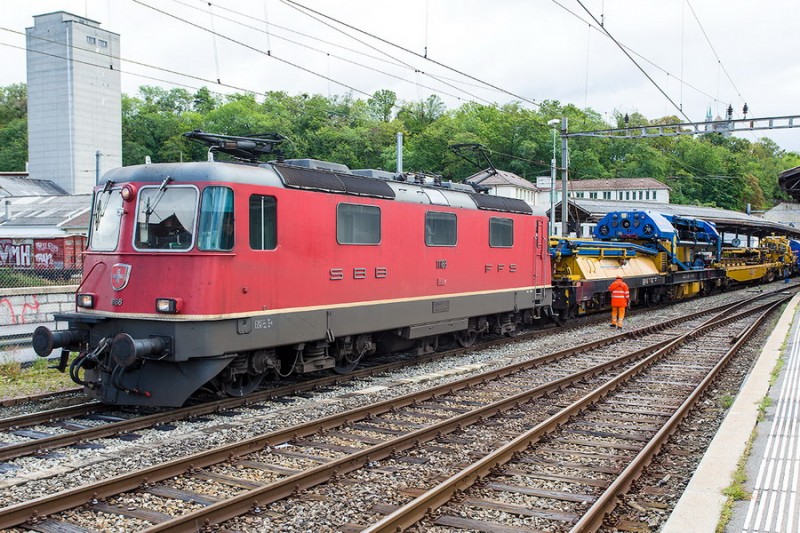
(120, 273)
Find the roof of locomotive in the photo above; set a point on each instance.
(282, 175)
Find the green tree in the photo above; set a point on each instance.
(13, 127)
(13, 103)
(381, 105)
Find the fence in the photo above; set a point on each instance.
(11, 277)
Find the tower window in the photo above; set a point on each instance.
(90, 39)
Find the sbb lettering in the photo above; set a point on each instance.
(338, 274)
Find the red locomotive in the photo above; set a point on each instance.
(213, 275)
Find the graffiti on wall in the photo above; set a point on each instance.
(64, 252)
(16, 252)
(19, 310)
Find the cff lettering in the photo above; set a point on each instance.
(502, 267)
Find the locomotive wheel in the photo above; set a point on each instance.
(344, 366)
(348, 363)
(242, 385)
(466, 337)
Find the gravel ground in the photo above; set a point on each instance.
(70, 467)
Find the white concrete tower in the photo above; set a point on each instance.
(74, 100)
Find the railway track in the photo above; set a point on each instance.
(43, 431)
(220, 484)
(592, 450)
(41, 397)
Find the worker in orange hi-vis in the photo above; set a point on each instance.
(620, 297)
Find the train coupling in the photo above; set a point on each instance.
(125, 350)
(44, 340)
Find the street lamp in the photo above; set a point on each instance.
(551, 229)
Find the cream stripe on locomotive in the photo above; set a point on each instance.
(269, 312)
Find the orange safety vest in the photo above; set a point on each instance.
(619, 293)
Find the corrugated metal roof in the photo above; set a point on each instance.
(22, 186)
(51, 211)
(784, 213)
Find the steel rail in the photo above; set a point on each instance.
(593, 518)
(410, 513)
(42, 417)
(45, 505)
(16, 400)
(142, 422)
(115, 429)
(219, 512)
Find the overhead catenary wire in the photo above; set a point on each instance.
(250, 47)
(301, 7)
(634, 52)
(440, 80)
(214, 38)
(624, 51)
(273, 25)
(136, 74)
(125, 71)
(714, 51)
(328, 55)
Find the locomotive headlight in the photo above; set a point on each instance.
(128, 192)
(85, 300)
(168, 305)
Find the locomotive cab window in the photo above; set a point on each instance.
(215, 232)
(106, 217)
(263, 222)
(358, 224)
(501, 232)
(165, 218)
(440, 229)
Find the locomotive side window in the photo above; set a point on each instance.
(165, 218)
(105, 224)
(501, 232)
(358, 224)
(440, 229)
(263, 222)
(216, 219)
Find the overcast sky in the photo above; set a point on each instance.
(725, 51)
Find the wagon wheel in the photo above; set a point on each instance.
(556, 318)
(466, 337)
(242, 385)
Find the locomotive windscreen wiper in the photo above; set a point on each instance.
(99, 209)
(159, 194)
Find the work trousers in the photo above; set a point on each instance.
(617, 315)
